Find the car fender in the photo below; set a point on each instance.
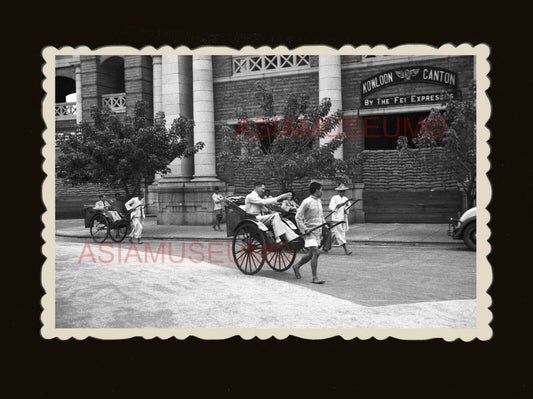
(464, 224)
(470, 213)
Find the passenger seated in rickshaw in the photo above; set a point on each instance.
(255, 205)
(118, 205)
(103, 205)
(289, 204)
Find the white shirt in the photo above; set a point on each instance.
(137, 206)
(101, 205)
(339, 214)
(254, 204)
(217, 199)
(309, 214)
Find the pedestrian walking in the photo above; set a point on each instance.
(339, 205)
(310, 215)
(218, 207)
(137, 214)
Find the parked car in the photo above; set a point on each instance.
(464, 228)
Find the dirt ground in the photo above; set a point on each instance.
(183, 293)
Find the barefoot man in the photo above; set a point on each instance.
(308, 216)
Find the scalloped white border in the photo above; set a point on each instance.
(483, 331)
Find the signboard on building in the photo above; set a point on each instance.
(415, 74)
(408, 99)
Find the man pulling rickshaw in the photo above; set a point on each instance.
(256, 241)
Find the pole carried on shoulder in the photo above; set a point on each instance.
(328, 215)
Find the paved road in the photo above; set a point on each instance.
(198, 286)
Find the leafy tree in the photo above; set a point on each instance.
(288, 147)
(126, 152)
(450, 134)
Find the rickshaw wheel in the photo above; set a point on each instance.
(280, 257)
(119, 233)
(99, 228)
(249, 249)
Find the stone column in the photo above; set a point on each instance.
(188, 91)
(78, 95)
(152, 197)
(157, 83)
(330, 85)
(204, 118)
(176, 101)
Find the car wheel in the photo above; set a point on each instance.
(469, 236)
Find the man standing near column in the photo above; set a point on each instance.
(218, 208)
(339, 206)
(136, 207)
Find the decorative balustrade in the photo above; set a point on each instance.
(65, 111)
(266, 63)
(116, 102)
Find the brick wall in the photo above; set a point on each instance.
(138, 77)
(89, 85)
(232, 96)
(66, 126)
(349, 59)
(70, 198)
(222, 66)
(243, 176)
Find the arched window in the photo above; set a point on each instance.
(65, 107)
(111, 82)
(111, 77)
(64, 87)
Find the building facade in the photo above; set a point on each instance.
(380, 97)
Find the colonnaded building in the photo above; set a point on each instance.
(390, 93)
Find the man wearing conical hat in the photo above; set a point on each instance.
(339, 206)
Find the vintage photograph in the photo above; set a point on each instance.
(266, 192)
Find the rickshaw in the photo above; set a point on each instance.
(254, 243)
(102, 226)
